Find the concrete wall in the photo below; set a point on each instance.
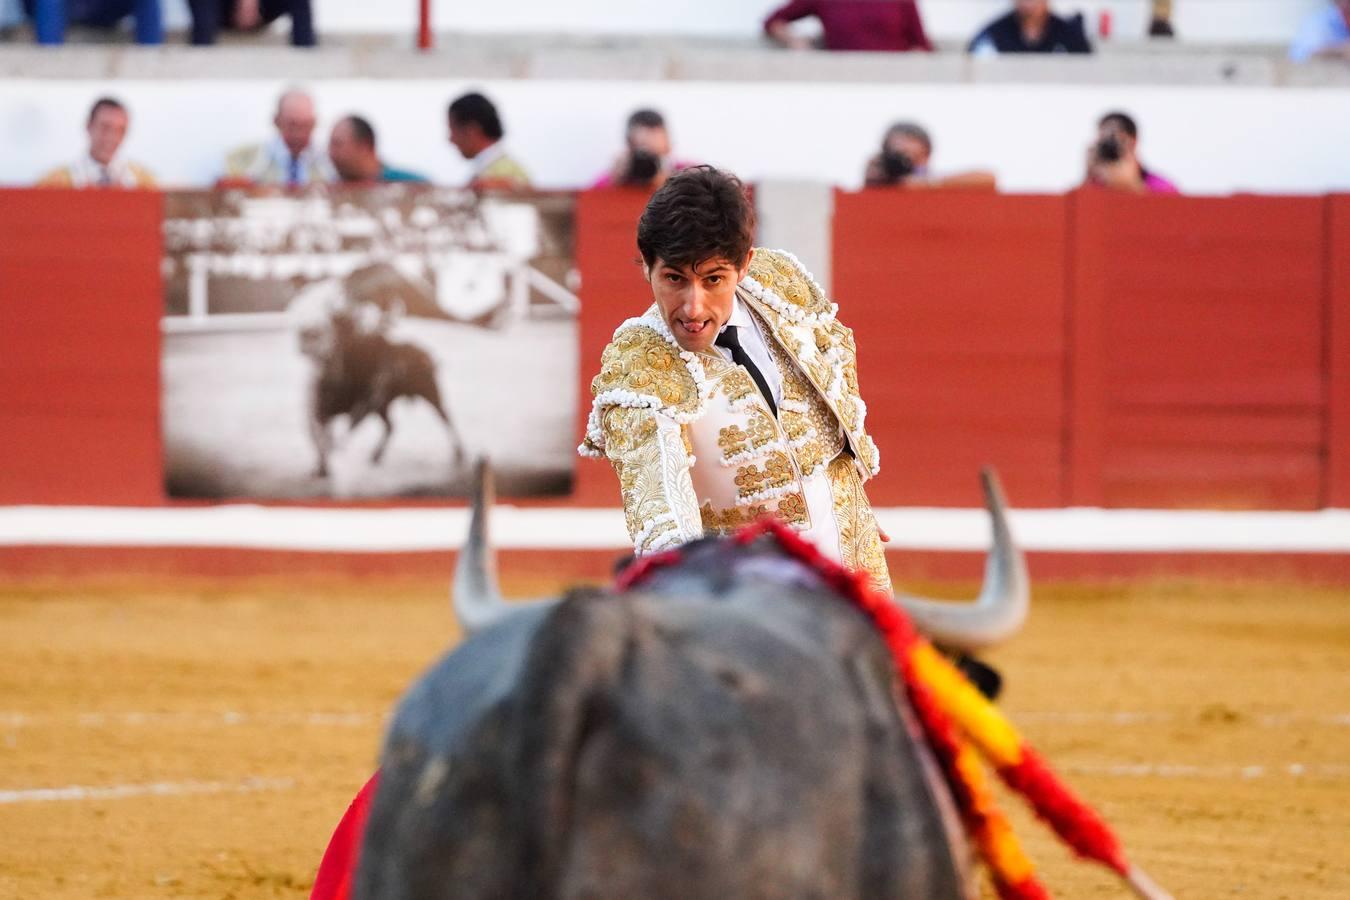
(1197, 21)
(1212, 140)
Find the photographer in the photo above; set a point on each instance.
(1113, 161)
(647, 162)
(904, 163)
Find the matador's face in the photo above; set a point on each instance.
(696, 300)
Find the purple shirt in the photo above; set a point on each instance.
(1156, 184)
(607, 180)
(877, 25)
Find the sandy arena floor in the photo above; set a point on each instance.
(203, 738)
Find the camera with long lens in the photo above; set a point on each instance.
(643, 167)
(895, 166)
(1108, 149)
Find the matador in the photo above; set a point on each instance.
(735, 395)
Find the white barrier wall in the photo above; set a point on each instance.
(1211, 140)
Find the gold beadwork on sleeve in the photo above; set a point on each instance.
(643, 362)
(859, 540)
(649, 456)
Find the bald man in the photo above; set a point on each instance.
(351, 147)
(290, 158)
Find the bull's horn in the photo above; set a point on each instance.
(476, 598)
(998, 613)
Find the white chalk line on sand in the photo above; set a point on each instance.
(208, 719)
(1075, 530)
(337, 719)
(77, 792)
(1223, 773)
(1203, 717)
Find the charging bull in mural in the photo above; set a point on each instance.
(356, 369)
(727, 728)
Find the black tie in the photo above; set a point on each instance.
(729, 339)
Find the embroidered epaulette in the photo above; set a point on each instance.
(643, 367)
(779, 280)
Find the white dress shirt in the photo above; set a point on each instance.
(486, 157)
(755, 345)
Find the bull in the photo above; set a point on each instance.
(728, 729)
(356, 369)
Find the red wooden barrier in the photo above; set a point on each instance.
(959, 304)
(80, 302)
(1098, 349)
(1338, 352)
(612, 290)
(1198, 368)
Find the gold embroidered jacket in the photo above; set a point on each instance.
(698, 451)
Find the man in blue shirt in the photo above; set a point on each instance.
(351, 147)
(1324, 34)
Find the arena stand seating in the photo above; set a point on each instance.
(1080, 398)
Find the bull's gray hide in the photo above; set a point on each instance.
(730, 730)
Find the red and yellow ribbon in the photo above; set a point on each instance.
(963, 728)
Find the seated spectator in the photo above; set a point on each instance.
(209, 16)
(647, 161)
(906, 151)
(1030, 27)
(101, 167)
(289, 159)
(1113, 161)
(877, 25)
(51, 16)
(476, 131)
(1324, 34)
(351, 147)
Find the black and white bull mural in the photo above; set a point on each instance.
(727, 730)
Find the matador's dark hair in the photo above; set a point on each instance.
(701, 213)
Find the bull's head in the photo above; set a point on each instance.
(994, 616)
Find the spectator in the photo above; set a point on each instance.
(878, 25)
(50, 17)
(647, 161)
(1030, 27)
(289, 159)
(351, 147)
(906, 152)
(101, 167)
(1160, 22)
(1113, 161)
(1324, 34)
(208, 16)
(476, 131)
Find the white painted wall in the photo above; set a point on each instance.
(1211, 140)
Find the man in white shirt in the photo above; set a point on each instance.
(101, 167)
(290, 158)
